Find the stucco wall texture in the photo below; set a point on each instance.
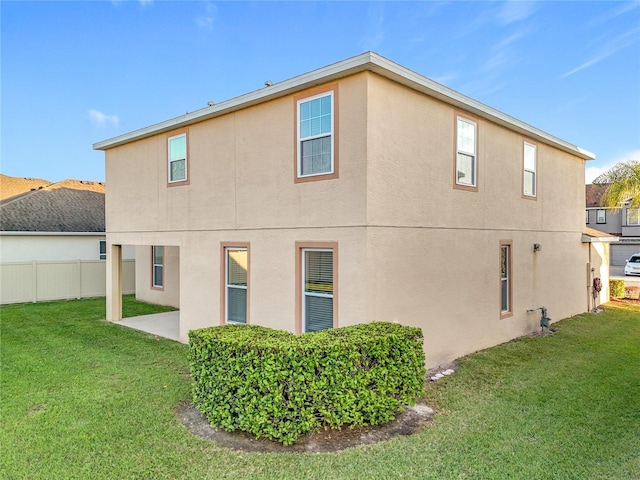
(412, 248)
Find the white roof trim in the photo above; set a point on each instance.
(586, 238)
(368, 61)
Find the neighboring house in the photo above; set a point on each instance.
(50, 226)
(624, 223)
(357, 192)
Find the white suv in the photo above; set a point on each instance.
(633, 265)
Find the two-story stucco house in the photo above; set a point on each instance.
(357, 192)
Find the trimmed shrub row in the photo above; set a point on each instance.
(277, 385)
(617, 288)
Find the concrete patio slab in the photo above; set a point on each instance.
(166, 325)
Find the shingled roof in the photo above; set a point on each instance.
(593, 194)
(68, 206)
(12, 186)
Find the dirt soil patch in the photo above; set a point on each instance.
(406, 423)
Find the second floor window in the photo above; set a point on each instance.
(466, 158)
(601, 216)
(177, 153)
(633, 217)
(315, 143)
(529, 181)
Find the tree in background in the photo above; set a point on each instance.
(623, 185)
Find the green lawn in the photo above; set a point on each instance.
(85, 399)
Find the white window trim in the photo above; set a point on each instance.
(637, 222)
(169, 160)
(102, 256)
(598, 222)
(475, 152)
(227, 286)
(304, 280)
(300, 139)
(534, 171)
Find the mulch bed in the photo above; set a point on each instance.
(407, 422)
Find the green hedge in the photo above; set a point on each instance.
(617, 288)
(278, 385)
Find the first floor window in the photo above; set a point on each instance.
(601, 216)
(236, 287)
(317, 289)
(633, 216)
(529, 181)
(177, 158)
(466, 159)
(103, 250)
(505, 278)
(157, 256)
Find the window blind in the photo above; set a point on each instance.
(318, 290)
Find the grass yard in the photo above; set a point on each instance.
(85, 399)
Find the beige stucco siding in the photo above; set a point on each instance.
(241, 173)
(433, 250)
(408, 156)
(599, 261)
(267, 194)
(170, 293)
(132, 197)
(272, 275)
(410, 170)
(448, 283)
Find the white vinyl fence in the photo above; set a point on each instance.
(22, 282)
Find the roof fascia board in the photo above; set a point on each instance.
(366, 61)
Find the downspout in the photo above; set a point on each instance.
(590, 271)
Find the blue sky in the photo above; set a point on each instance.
(74, 73)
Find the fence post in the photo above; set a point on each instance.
(79, 277)
(34, 281)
